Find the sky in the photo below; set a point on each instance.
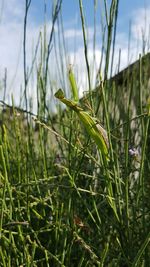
(133, 17)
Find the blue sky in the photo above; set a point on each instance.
(11, 32)
(71, 7)
(70, 10)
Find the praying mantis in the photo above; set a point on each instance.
(94, 129)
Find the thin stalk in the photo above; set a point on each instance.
(85, 49)
(114, 37)
(110, 189)
(110, 23)
(27, 5)
(127, 135)
(49, 47)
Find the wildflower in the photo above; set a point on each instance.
(134, 153)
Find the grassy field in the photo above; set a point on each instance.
(70, 197)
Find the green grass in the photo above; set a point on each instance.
(61, 204)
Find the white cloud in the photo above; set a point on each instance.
(11, 45)
(141, 26)
(13, 9)
(11, 39)
(73, 33)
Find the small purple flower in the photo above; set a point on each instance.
(133, 152)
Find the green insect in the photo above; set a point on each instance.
(94, 129)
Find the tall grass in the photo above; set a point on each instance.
(61, 203)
